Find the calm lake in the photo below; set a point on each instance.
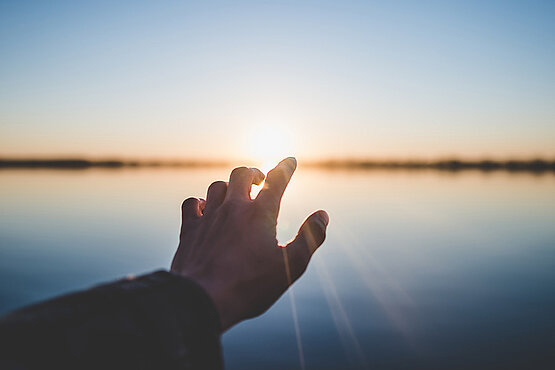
(421, 269)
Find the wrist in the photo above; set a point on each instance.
(223, 301)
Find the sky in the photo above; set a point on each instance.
(243, 79)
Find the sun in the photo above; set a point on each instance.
(267, 144)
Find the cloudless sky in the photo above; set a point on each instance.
(344, 78)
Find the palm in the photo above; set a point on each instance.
(228, 243)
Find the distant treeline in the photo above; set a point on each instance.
(85, 163)
(537, 165)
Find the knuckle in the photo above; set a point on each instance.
(242, 203)
(267, 207)
(323, 236)
(266, 218)
(232, 204)
(313, 236)
(277, 171)
(278, 174)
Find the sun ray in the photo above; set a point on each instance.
(340, 318)
(391, 296)
(294, 310)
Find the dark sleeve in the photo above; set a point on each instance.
(155, 321)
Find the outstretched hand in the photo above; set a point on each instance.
(228, 243)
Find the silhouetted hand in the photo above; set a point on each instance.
(228, 243)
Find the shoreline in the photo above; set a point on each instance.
(453, 165)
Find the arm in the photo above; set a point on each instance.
(160, 320)
(228, 267)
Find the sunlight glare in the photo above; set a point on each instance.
(268, 144)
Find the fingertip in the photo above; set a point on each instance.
(310, 237)
(323, 216)
(215, 195)
(313, 230)
(291, 162)
(191, 208)
(217, 186)
(318, 223)
(258, 176)
(189, 202)
(241, 180)
(238, 172)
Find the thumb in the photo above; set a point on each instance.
(310, 236)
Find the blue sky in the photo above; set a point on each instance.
(345, 78)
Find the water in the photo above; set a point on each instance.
(421, 269)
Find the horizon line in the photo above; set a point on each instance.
(452, 164)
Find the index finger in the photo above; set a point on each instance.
(276, 183)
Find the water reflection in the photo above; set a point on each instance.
(421, 269)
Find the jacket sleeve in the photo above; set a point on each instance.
(156, 321)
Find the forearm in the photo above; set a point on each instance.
(159, 320)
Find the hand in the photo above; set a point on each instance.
(228, 243)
